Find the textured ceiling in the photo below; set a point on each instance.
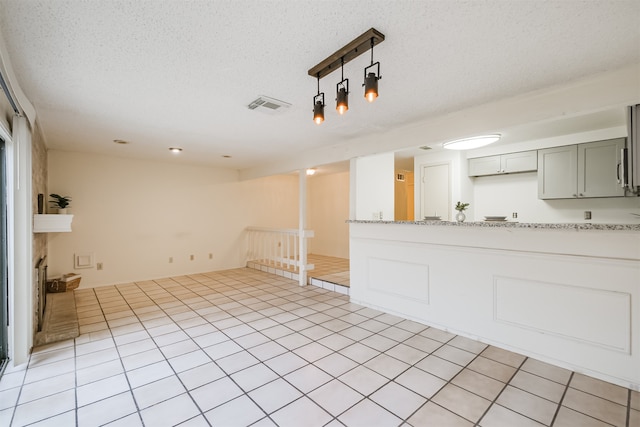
(181, 73)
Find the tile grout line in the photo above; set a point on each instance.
(165, 359)
(358, 364)
(493, 402)
(22, 383)
(124, 370)
(566, 389)
(429, 399)
(187, 391)
(75, 366)
(222, 370)
(313, 364)
(629, 408)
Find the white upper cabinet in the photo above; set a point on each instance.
(525, 161)
(558, 172)
(583, 170)
(599, 169)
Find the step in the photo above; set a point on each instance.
(60, 320)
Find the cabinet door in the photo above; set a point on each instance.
(484, 166)
(524, 161)
(598, 164)
(558, 172)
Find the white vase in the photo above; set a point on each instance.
(460, 216)
(62, 211)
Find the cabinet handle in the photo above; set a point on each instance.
(575, 195)
(581, 195)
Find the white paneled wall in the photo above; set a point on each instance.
(571, 298)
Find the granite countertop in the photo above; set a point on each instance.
(510, 224)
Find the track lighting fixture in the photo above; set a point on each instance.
(352, 50)
(318, 105)
(342, 92)
(371, 79)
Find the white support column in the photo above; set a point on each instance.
(19, 228)
(302, 225)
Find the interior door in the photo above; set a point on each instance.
(436, 194)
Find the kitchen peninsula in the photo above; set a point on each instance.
(568, 294)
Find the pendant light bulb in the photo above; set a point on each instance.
(342, 104)
(371, 87)
(342, 91)
(318, 105)
(371, 79)
(318, 112)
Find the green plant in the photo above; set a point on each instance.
(60, 202)
(461, 206)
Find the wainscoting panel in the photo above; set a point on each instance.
(594, 316)
(399, 279)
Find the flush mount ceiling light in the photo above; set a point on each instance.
(120, 141)
(351, 50)
(311, 171)
(471, 143)
(175, 150)
(318, 106)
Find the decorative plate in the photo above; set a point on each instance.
(495, 218)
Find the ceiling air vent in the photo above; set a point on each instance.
(268, 105)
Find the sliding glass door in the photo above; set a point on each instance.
(4, 300)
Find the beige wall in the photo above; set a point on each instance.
(403, 195)
(134, 215)
(328, 211)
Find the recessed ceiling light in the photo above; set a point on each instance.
(175, 150)
(121, 141)
(470, 143)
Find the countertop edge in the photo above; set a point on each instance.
(508, 224)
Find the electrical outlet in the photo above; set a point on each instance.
(170, 259)
(192, 257)
(99, 266)
(587, 214)
(514, 215)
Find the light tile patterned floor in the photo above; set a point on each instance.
(326, 268)
(243, 347)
